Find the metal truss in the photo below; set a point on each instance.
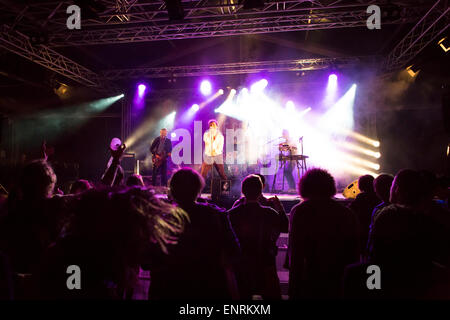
(138, 21)
(46, 57)
(433, 23)
(231, 68)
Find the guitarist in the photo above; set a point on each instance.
(161, 149)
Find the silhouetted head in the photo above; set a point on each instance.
(163, 133)
(365, 183)
(252, 187)
(38, 180)
(263, 179)
(135, 180)
(186, 185)
(80, 186)
(317, 183)
(125, 222)
(406, 188)
(382, 186)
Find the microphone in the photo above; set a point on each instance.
(301, 138)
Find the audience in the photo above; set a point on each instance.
(197, 250)
(273, 202)
(33, 221)
(405, 243)
(257, 228)
(135, 180)
(107, 238)
(363, 206)
(201, 265)
(382, 186)
(80, 186)
(323, 239)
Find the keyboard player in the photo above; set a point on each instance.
(288, 148)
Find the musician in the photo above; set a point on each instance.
(288, 147)
(214, 140)
(161, 149)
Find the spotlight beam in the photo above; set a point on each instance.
(353, 147)
(359, 137)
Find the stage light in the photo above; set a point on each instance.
(220, 92)
(195, 107)
(302, 113)
(259, 86)
(228, 103)
(102, 104)
(168, 121)
(141, 89)
(444, 44)
(62, 91)
(173, 135)
(205, 88)
(353, 147)
(359, 137)
(412, 71)
(290, 106)
(332, 78)
(359, 161)
(340, 115)
(331, 91)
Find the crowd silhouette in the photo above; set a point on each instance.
(194, 249)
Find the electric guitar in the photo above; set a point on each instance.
(158, 159)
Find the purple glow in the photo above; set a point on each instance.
(259, 86)
(331, 91)
(205, 88)
(141, 89)
(332, 78)
(290, 106)
(195, 107)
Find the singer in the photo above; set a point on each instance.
(214, 140)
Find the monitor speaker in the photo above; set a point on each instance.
(352, 190)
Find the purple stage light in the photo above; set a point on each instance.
(205, 87)
(141, 89)
(195, 107)
(332, 78)
(259, 86)
(290, 106)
